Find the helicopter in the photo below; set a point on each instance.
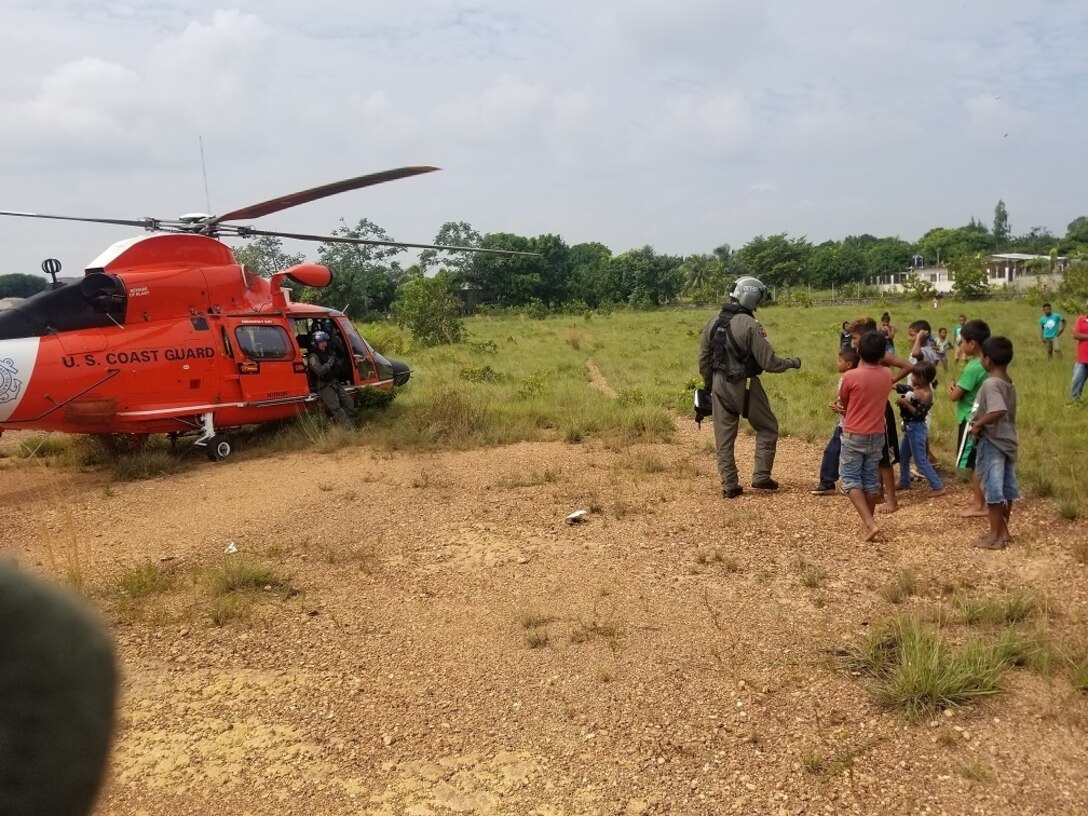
(167, 334)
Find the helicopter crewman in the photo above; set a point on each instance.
(733, 352)
(322, 364)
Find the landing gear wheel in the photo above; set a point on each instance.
(218, 448)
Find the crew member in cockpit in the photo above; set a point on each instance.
(322, 365)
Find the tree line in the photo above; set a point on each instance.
(366, 278)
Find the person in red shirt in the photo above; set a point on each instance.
(863, 395)
(1080, 368)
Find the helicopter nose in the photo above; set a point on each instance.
(401, 372)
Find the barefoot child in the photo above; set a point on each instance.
(829, 465)
(889, 456)
(863, 394)
(963, 393)
(914, 406)
(993, 424)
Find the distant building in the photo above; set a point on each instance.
(1013, 270)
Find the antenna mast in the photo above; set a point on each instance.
(204, 170)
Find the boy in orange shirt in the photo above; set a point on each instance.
(863, 394)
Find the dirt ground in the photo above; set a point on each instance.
(662, 677)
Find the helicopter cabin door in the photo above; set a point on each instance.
(270, 369)
(366, 372)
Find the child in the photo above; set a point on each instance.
(922, 349)
(941, 345)
(863, 395)
(890, 452)
(914, 406)
(963, 392)
(993, 424)
(957, 338)
(829, 465)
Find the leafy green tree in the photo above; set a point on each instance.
(516, 280)
(1037, 241)
(942, 243)
(1073, 292)
(452, 233)
(589, 277)
(646, 278)
(969, 278)
(777, 260)
(835, 264)
(886, 256)
(429, 309)
(508, 280)
(1001, 225)
(18, 285)
(363, 276)
(1076, 238)
(265, 256)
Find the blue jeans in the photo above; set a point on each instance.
(996, 474)
(859, 462)
(915, 435)
(1080, 375)
(829, 465)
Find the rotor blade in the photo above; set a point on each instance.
(305, 196)
(336, 239)
(140, 222)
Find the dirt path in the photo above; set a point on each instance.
(599, 381)
(682, 659)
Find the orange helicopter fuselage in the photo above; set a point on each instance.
(162, 331)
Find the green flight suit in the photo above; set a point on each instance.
(728, 397)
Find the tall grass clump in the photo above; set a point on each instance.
(44, 446)
(142, 579)
(244, 574)
(913, 669)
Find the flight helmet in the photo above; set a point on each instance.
(749, 292)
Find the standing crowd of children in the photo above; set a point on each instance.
(865, 445)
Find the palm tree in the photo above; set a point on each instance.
(698, 271)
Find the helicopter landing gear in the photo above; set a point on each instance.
(218, 448)
(216, 445)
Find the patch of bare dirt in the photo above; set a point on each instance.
(400, 678)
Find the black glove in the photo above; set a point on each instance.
(795, 362)
(703, 407)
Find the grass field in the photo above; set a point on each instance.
(625, 377)
(516, 378)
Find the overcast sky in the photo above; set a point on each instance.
(681, 124)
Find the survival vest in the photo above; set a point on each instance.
(729, 357)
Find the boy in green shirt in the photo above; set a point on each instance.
(963, 393)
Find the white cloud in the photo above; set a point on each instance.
(681, 124)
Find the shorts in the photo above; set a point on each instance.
(859, 460)
(1051, 344)
(940, 355)
(996, 474)
(889, 453)
(966, 451)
